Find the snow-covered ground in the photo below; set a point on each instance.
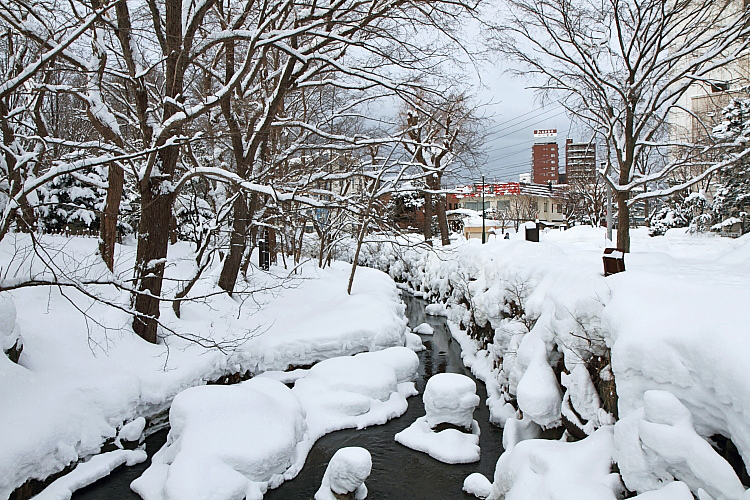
(550, 333)
(81, 377)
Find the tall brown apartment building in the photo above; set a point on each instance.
(580, 163)
(544, 157)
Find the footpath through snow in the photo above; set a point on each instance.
(553, 339)
(80, 378)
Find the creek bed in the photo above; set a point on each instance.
(397, 472)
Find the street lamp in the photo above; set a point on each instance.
(484, 239)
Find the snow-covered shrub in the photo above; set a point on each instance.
(73, 201)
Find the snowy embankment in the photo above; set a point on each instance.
(82, 376)
(553, 338)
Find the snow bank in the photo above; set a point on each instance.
(658, 444)
(538, 469)
(87, 473)
(81, 378)
(346, 473)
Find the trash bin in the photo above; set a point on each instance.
(614, 261)
(532, 234)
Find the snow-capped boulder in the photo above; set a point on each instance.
(346, 474)
(450, 398)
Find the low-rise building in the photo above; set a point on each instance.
(510, 204)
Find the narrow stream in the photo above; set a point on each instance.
(397, 472)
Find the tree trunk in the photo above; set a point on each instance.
(108, 224)
(151, 256)
(427, 226)
(441, 217)
(156, 202)
(623, 221)
(237, 242)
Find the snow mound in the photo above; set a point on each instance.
(436, 310)
(346, 473)
(414, 342)
(357, 391)
(131, 432)
(449, 445)
(539, 395)
(675, 490)
(424, 328)
(450, 398)
(228, 442)
(478, 485)
(539, 469)
(658, 443)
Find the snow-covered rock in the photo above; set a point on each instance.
(346, 473)
(414, 342)
(424, 329)
(450, 398)
(478, 485)
(228, 442)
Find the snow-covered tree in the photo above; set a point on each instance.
(621, 67)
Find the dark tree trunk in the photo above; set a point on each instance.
(153, 241)
(427, 226)
(441, 217)
(108, 225)
(237, 241)
(156, 202)
(623, 222)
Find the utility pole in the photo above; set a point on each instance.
(609, 204)
(484, 239)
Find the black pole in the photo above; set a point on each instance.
(483, 236)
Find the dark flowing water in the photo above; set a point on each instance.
(397, 472)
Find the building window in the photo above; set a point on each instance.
(545, 206)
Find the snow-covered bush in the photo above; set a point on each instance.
(73, 201)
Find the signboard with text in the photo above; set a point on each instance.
(550, 132)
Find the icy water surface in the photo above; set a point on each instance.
(397, 472)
